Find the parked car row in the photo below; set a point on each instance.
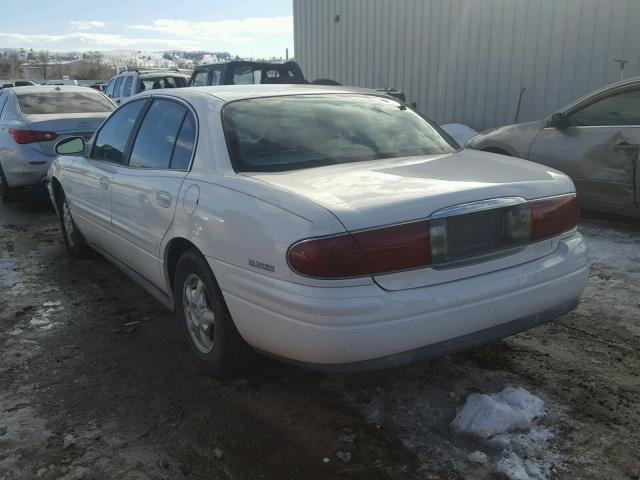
(326, 226)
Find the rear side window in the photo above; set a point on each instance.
(246, 75)
(112, 138)
(184, 145)
(157, 136)
(109, 90)
(216, 76)
(155, 83)
(126, 90)
(617, 109)
(200, 79)
(3, 101)
(63, 102)
(116, 88)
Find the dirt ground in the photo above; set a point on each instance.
(83, 394)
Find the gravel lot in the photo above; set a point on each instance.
(85, 395)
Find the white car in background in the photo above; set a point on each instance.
(129, 83)
(33, 120)
(330, 227)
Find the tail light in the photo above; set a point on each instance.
(368, 252)
(419, 244)
(553, 216)
(31, 136)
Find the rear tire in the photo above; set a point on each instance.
(207, 326)
(73, 239)
(7, 193)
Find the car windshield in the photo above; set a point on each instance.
(63, 102)
(292, 132)
(153, 83)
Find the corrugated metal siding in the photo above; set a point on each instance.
(466, 61)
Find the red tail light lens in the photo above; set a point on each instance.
(395, 248)
(30, 136)
(369, 252)
(553, 216)
(330, 257)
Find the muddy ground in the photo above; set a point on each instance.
(84, 395)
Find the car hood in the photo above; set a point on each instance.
(382, 192)
(515, 139)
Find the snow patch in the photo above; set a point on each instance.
(506, 420)
(513, 409)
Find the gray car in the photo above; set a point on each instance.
(594, 140)
(33, 120)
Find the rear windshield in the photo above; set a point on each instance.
(162, 82)
(63, 102)
(292, 132)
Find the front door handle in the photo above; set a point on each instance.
(104, 183)
(163, 199)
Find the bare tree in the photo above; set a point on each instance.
(15, 69)
(41, 61)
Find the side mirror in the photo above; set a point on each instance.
(559, 121)
(70, 146)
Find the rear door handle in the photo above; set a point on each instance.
(163, 199)
(104, 183)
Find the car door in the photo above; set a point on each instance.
(598, 148)
(145, 190)
(87, 183)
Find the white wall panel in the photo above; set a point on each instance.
(466, 61)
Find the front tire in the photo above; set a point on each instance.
(214, 342)
(73, 239)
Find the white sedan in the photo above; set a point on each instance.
(330, 227)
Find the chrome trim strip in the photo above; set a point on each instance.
(478, 206)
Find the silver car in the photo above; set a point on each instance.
(33, 120)
(594, 140)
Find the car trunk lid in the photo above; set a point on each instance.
(371, 194)
(64, 125)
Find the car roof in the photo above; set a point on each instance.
(162, 74)
(628, 82)
(229, 93)
(49, 89)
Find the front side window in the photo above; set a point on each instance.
(112, 138)
(126, 90)
(156, 138)
(617, 109)
(303, 131)
(200, 79)
(88, 101)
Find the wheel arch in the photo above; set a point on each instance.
(498, 150)
(57, 192)
(174, 250)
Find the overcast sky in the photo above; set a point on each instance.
(253, 28)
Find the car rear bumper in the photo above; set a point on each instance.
(365, 327)
(28, 170)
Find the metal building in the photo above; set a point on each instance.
(471, 61)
